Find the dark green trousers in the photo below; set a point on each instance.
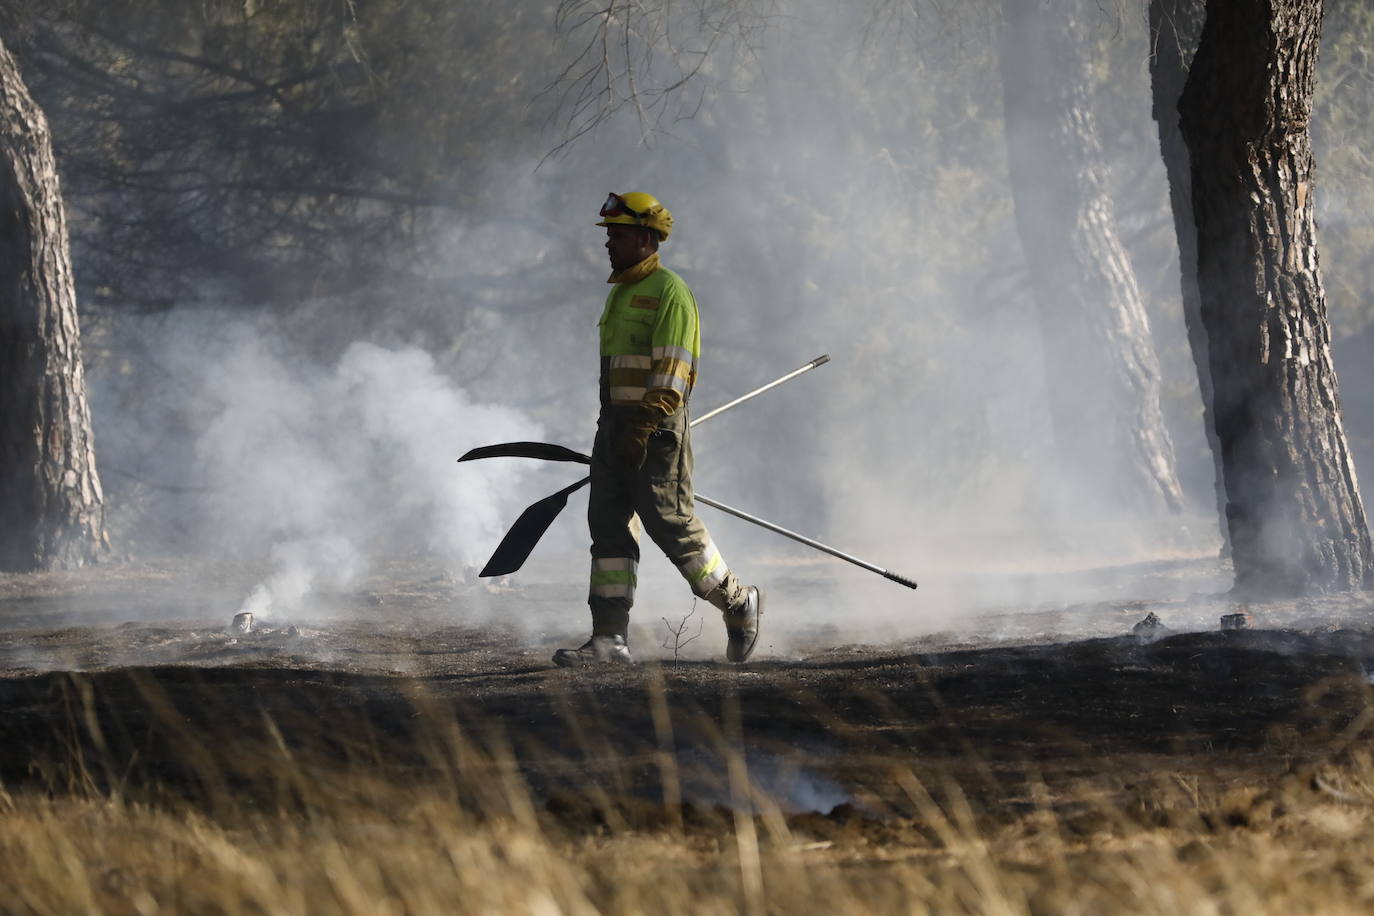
(657, 496)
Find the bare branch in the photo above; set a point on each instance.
(624, 56)
(675, 633)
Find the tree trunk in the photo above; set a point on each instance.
(1296, 521)
(1175, 28)
(1104, 376)
(51, 506)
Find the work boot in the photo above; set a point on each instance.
(599, 650)
(742, 625)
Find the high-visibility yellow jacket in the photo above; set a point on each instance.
(650, 339)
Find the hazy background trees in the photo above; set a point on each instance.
(1102, 373)
(257, 187)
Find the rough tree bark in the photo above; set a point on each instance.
(51, 506)
(1175, 28)
(1104, 376)
(1294, 512)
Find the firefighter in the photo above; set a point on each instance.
(641, 467)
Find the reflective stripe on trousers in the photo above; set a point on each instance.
(705, 570)
(614, 577)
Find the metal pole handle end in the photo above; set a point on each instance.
(897, 577)
(821, 360)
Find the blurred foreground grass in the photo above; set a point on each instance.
(468, 836)
(394, 850)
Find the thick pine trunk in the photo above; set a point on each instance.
(1175, 28)
(1103, 374)
(51, 507)
(1296, 521)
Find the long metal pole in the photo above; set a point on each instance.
(809, 542)
(778, 529)
(818, 361)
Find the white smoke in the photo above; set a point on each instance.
(315, 471)
(298, 566)
(830, 209)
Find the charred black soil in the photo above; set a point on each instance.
(822, 736)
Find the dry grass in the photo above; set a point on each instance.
(347, 839)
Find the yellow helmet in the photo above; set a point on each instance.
(637, 209)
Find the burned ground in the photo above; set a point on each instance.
(197, 711)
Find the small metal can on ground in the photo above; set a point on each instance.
(1238, 621)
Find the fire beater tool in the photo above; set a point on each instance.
(520, 541)
(529, 528)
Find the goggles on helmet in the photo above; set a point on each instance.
(615, 206)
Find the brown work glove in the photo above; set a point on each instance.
(633, 442)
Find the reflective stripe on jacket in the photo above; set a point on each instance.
(650, 342)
